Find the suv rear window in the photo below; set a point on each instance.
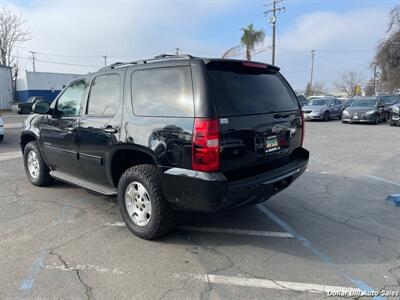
(245, 91)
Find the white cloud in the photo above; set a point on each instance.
(135, 30)
(342, 41)
(130, 30)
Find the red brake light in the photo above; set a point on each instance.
(254, 65)
(205, 145)
(302, 128)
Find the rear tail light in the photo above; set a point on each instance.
(205, 145)
(302, 128)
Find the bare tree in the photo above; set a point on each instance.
(394, 23)
(319, 88)
(12, 32)
(388, 55)
(349, 82)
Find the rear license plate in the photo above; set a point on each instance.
(355, 116)
(395, 118)
(271, 144)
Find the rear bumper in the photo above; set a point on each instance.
(200, 191)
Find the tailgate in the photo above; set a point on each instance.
(260, 117)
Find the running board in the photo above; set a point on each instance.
(99, 188)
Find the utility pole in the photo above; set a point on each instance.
(375, 65)
(177, 51)
(33, 60)
(272, 20)
(105, 60)
(312, 69)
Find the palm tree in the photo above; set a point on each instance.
(250, 38)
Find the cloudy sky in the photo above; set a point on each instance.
(72, 36)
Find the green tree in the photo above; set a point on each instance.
(250, 38)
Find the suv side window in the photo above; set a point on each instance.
(104, 95)
(163, 92)
(69, 103)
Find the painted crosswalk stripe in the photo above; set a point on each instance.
(270, 284)
(10, 155)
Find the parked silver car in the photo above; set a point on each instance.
(322, 109)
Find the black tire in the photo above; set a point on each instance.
(326, 116)
(43, 177)
(376, 122)
(1, 137)
(161, 217)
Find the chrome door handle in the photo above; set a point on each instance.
(110, 129)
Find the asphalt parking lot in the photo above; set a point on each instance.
(331, 231)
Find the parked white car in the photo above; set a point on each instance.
(1, 129)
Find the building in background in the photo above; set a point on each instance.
(44, 84)
(6, 87)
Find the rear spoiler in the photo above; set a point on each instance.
(235, 63)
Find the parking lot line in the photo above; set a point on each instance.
(10, 155)
(321, 255)
(29, 280)
(383, 180)
(13, 125)
(222, 230)
(270, 284)
(237, 231)
(222, 279)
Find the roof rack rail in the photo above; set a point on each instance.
(145, 61)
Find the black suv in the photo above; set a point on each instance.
(170, 133)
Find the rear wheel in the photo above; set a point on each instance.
(142, 203)
(326, 116)
(1, 137)
(35, 168)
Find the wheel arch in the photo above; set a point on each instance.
(123, 157)
(27, 137)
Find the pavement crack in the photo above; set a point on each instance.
(87, 288)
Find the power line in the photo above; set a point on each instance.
(272, 20)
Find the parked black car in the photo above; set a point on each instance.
(173, 132)
(347, 103)
(365, 110)
(395, 115)
(26, 107)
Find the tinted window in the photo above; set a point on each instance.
(318, 102)
(69, 103)
(163, 92)
(240, 91)
(104, 97)
(364, 103)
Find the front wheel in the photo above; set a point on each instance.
(142, 203)
(326, 116)
(35, 168)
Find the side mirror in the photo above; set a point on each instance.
(41, 108)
